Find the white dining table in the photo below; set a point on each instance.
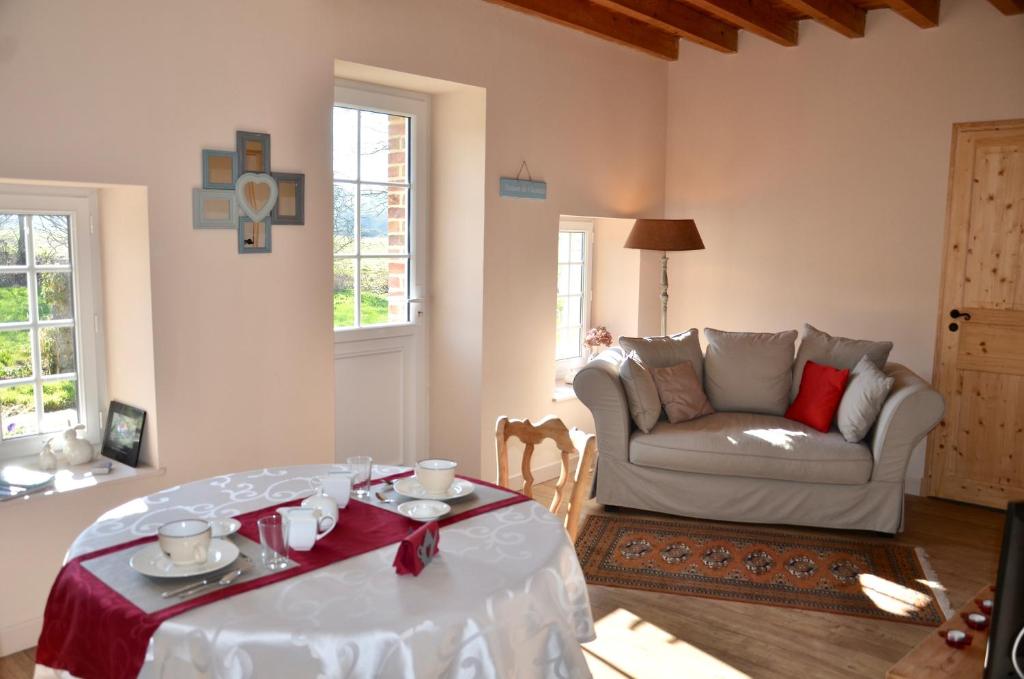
(505, 598)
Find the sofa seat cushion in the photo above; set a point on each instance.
(754, 446)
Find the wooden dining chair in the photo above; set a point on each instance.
(584, 445)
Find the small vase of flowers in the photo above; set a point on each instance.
(597, 340)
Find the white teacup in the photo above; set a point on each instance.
(436, 475)
(326, 510)
(185, 542)
(302, 527)
(336, 485)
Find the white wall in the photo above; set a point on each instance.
(116, 91)
(818, 174)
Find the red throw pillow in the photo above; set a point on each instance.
(821, 389)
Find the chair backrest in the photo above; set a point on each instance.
(576, 441)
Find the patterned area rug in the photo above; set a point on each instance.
(834, 573)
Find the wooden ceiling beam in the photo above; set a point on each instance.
(679, 19)
(924, 13)
(839, 15)
(755, 16)
(1009, 7)
(602, 22)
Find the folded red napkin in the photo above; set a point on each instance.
(418, 549)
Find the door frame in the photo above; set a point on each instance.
(950, 297)
(382, 339)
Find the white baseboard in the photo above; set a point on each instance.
(19, 636)
(545, 472)
(912, 485)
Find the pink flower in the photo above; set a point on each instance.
(598, 337)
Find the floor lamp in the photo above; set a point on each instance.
(666, 235)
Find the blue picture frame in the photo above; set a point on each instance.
(201, 215)
(242, 142)
(298, 215)
(209, 178)
(247, 248)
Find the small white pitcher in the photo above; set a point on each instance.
(303, 526)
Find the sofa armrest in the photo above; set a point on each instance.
(597, 385)
(912, 409)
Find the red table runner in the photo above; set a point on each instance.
(92, 631)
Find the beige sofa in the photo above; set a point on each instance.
(756, 468)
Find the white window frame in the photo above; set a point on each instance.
(81, 206)
(566, 366)
(415, 106)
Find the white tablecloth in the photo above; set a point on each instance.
(506, 598)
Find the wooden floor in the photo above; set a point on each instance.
(643, 634)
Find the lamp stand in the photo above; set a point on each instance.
(664, 293)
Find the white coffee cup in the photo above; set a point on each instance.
(436, 475)
(336, 485)
(326, 510)
(185, 542)
(302, 527)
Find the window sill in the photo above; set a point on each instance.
(563, 392)
(77, 478)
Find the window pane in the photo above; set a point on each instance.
(574, 311)
(12, 241)
(54, 290)
(563, 246)
(384, 285)
(51, 236)
(60, 405)
(345, 127)
(344, 297)
(13, 297)
(568, 343)
(383, 147)
(344, 219)
(576, 247)
(57, 350)
(563, 279)
(575, 279)
(383, 220)
(18, 410)
(561, 307)
(15, 354)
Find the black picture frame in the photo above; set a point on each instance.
(122, 438)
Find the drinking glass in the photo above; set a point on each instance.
(361, 467)
(274, 542)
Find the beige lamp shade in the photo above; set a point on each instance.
(665, 235)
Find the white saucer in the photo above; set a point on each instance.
(221, 528)
(423, 510)
(151, 561)
(410, 487)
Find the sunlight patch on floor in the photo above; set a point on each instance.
(891, 597)
(627, 646)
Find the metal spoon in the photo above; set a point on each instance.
(380, 496)
(226, 580)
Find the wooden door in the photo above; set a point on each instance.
(977, 453)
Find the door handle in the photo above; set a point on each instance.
(956, 313)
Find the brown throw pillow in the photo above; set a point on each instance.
(681, 393)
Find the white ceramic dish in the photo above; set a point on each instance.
(410, 487)
(423, 510)
(151, 561)
(222, 528)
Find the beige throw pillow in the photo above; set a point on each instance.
(841, 353)
(863, 400)
(664, 352)
(749, 372)
(681, 393)
(641, 393)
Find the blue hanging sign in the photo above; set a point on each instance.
(523, 188)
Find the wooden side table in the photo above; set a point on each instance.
(933, 659)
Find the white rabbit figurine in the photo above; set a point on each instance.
(47, 458)
(76, 450)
